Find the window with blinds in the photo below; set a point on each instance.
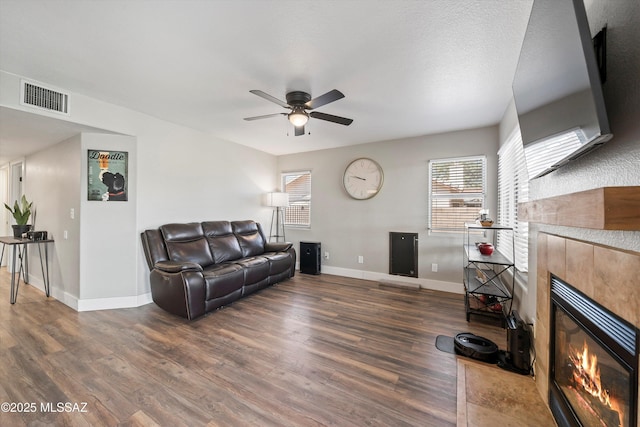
(457, 190)
(513, 188)
(298, 185)
(544, 155)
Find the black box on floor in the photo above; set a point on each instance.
(310, 257)
(518, 355)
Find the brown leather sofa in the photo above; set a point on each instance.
(199, 267)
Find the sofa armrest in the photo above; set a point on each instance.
(277, 246)
(181, 293)
(175, 267)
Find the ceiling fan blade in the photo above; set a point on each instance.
(299, 130)
(321, 100)
(266, 116)
(268, 97)
(331, 118)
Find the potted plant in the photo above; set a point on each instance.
(21, 213)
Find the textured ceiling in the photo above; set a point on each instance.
(407, 68)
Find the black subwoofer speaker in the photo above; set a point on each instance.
(310, 257)
(518, 343)
(517, 358)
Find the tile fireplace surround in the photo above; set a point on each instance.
(606, 275)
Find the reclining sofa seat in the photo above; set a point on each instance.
(199, 267)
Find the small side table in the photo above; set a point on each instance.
(20, 251)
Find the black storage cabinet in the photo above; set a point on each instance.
(310, 257)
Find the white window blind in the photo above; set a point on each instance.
(552, 151)
(457, 192)
(513, 188)
(298, 185)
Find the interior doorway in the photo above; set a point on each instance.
(4, 198)
(11, 189)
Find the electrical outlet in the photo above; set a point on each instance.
(434, 267)
(66, 234)
(72, 213)
(360, 259)
(326, 255)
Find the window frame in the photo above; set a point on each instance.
(297, 199)
(434, 197)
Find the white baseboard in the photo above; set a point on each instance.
(93, 303)
(435, 285)
(111, 303)
(139, 300)
(65, 297)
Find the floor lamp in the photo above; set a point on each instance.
(278, 201)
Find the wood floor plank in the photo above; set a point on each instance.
(311, 351)
(140, 419)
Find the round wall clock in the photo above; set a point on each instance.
(363, 178)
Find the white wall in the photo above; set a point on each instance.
(181, 175)
(348, 228)
(95, 263)
(185, 175)
(52, 183)
(108, 238)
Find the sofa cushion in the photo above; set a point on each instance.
(222, 242)
(279, 262)
(186, 243)
(256, 269)
(249, 236)
(223, 279)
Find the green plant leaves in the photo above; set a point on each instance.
(21, 212)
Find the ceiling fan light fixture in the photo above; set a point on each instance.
(299, 102)
(298, 117)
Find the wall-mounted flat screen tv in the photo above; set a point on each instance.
(557, 87)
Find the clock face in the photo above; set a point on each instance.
(363, 179)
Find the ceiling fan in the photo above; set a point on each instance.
(299, 103)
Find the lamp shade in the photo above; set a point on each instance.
(298, 118)
(278, 200)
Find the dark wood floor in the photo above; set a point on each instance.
(312, 351)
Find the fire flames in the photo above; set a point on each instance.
(586, 374)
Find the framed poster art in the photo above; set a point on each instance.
(108, 179)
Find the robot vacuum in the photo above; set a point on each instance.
(476, 347)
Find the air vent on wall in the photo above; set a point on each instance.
(36, 95)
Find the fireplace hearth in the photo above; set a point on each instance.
(593, 379)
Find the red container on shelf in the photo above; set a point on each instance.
(485, 248)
